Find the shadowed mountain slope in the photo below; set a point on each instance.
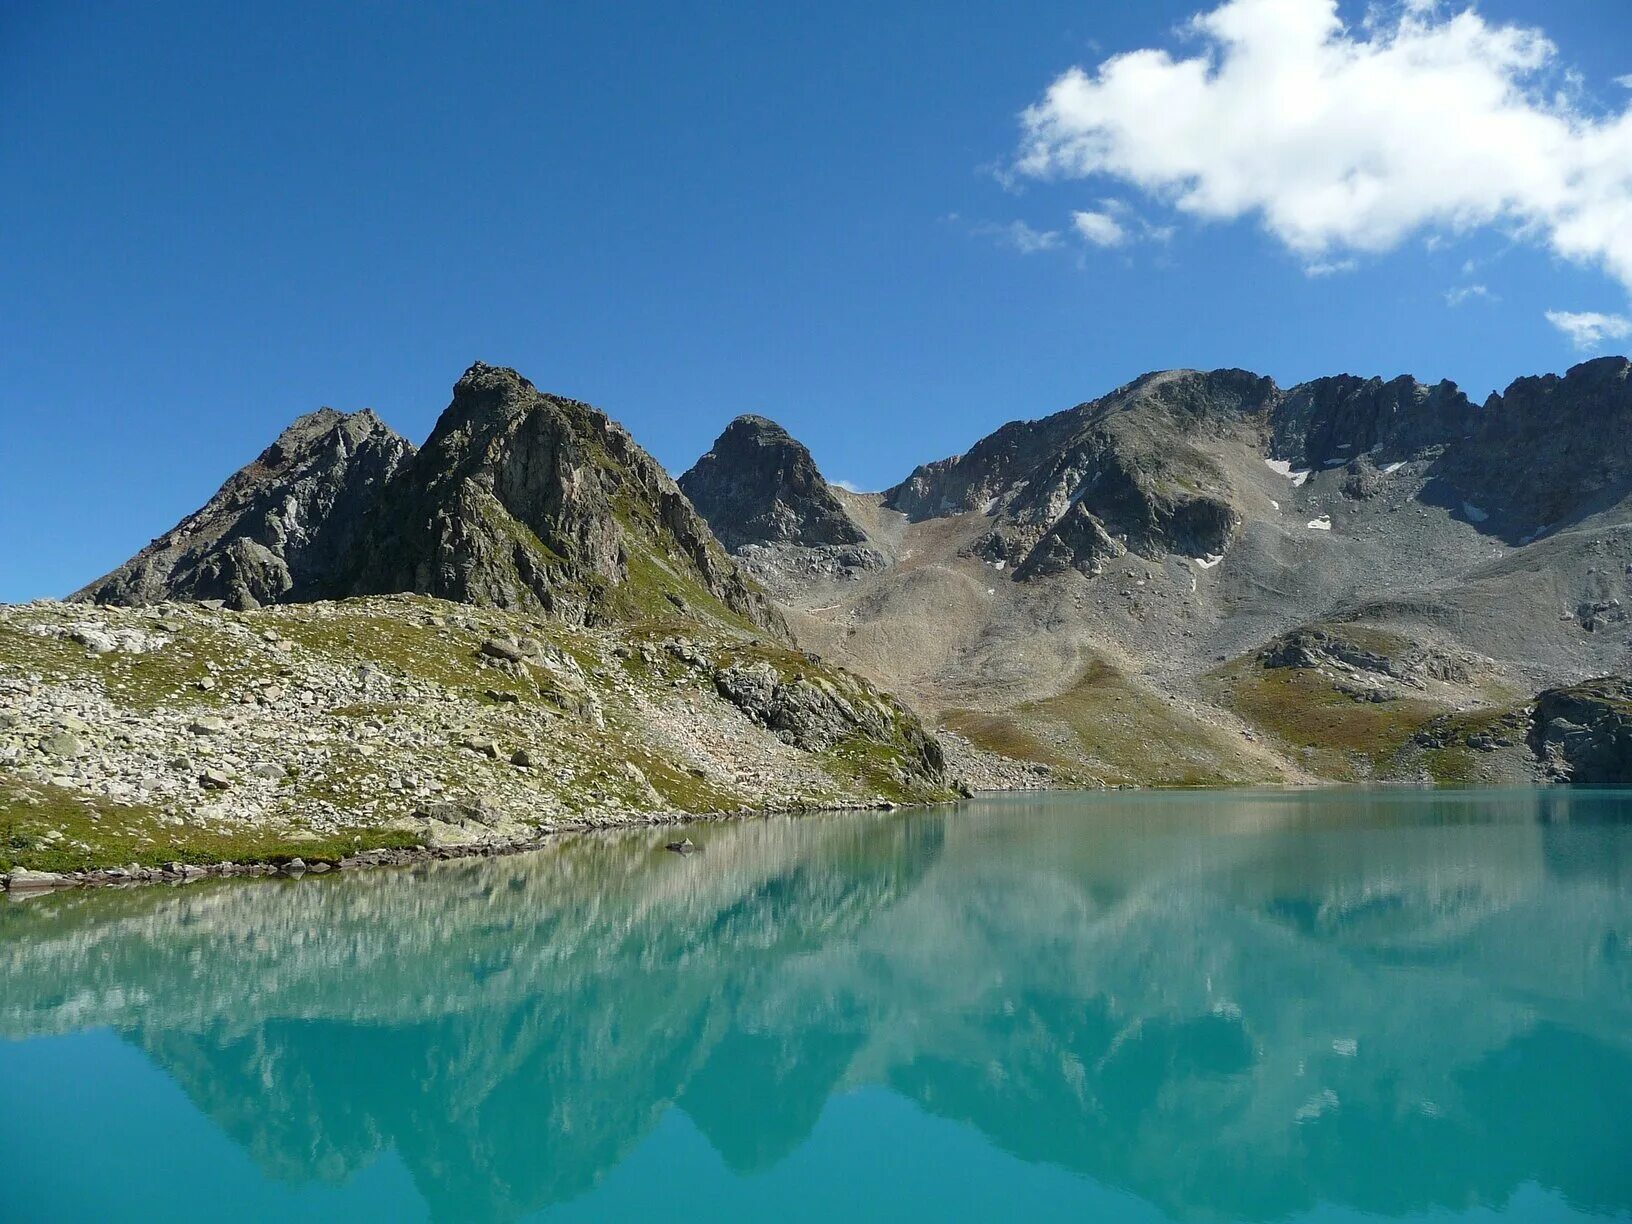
(279, 530)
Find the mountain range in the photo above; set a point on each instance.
(1201, 577)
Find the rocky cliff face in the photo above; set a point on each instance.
(1583, 733)
(524, 500)
(1548, 451)
(280, 530)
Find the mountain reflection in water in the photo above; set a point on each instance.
(1227, 1005)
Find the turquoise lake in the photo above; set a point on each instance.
(1206, 1006)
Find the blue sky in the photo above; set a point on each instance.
(217, 217)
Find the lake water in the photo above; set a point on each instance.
(1201, 1006)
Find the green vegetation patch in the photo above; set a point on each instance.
(95, 833)
(1331, 733)
(1110, 729)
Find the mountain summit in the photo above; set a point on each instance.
(280, 530)
(518, 500)
(757, 485)
(525, 500)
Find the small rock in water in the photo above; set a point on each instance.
(684, 846)
(22, 879)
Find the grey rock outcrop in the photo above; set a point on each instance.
(817, 715)
(1583, 733)
(1548, 451)
(279, 530)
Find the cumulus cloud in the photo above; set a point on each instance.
(1463, 293)
(1099, 228)
(1348, 140)
(1588, 329)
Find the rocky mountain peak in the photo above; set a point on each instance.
(758, 485)
(521, 499)
(518, 500)
(279, 530)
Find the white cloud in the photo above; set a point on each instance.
(1330, 267)
(1346, 141)
(1021, 237)
(1463, 293)
(1099, 228)
(849, 486)
(1589, 329)
(1625, 82)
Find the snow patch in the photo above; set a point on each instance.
(1210, 560)
(1393, 467)
(1475, 515)
(1283, 467)
(1275, 503)
(1323, 523)
(997, 565)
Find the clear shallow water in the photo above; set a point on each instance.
(1215, 1007)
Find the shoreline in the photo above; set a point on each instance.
(23, 882)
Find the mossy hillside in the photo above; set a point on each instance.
(1327, 731)
(198, 652)
(1108, 729)
(48, 828)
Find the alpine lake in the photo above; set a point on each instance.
(1328, 1005)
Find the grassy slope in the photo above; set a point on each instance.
(1107, 728)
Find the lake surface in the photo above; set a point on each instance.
(1201, 1006)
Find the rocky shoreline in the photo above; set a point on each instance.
(22, 883)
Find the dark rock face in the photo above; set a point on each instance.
(279, 530)
(760, 486)
(1550, 450)
(525, 500)
(1583, 733)
(1333, 421)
